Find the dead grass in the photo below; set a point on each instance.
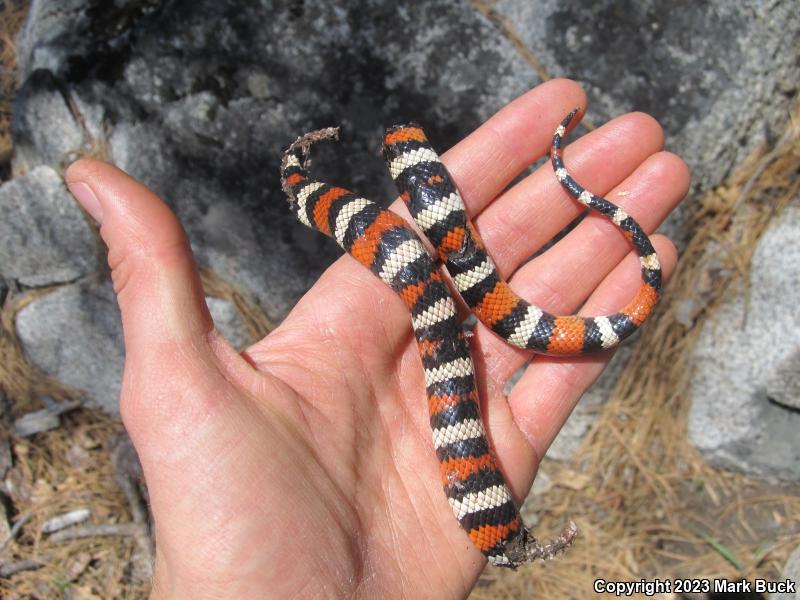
(646, 503)
(53, 473)
(12, 13)
(256, 321)
(506, 28)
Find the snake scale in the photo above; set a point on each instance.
(384, 243)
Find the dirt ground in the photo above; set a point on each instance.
(647, 506)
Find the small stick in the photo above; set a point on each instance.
(14, 531)
(65, 520)
(30, 564)
(139, 518)
(85, 531)
(126, 467)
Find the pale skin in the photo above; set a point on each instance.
(304, 465)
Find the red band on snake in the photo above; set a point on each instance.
(383, 242)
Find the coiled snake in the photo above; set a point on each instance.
(383, 242)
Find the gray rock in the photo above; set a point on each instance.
(740, 352)
(75, 334)
(229, 322)
(280, 69)
(44, 238)
(47, 130)
(55, 32)
(247, 240)
(791, 572)
(784, 386)
(698, 69)
(38, 43)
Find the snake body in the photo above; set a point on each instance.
(384, 243)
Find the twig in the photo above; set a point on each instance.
(126, 470)
(30, 564)
(14, 531)
(85, 531)
(140, 520)
(138, 511)
(66, 520)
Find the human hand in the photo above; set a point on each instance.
(304, 466)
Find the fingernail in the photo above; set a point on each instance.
(84, 194)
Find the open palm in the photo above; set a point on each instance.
(304, 466)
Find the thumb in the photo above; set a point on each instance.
(155, 277)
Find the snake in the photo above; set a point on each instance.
(388, 246)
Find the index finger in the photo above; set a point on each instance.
(486, 161)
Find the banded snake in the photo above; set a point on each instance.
(383, 242)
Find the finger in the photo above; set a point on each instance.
(562, 278)
(155, 277)
(551, 386)
(528, 215)
(488, 159)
